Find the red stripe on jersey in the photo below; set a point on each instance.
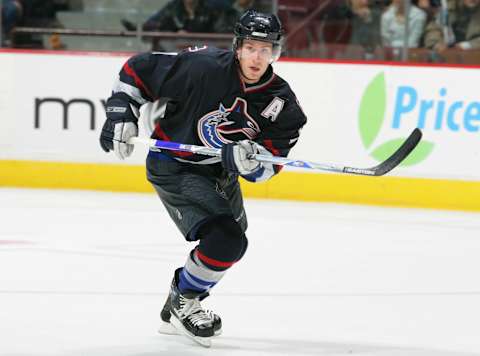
(269, 146)
(138, 82)
(213, 262)
(261, 86)
(255, 88)
(163, 136)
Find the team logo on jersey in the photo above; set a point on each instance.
(227, 125)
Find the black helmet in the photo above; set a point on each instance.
(258, 26)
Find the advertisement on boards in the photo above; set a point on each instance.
(52, 109)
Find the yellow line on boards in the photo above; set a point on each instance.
(386, 191)
(62, 175)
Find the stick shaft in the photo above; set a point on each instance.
(384, 167)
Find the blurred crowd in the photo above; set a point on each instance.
(217, 16)
(435, 25)
(201, 16)
(430, 24)
(29, 13)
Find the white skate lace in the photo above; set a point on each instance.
(210, 314)
(193, 311)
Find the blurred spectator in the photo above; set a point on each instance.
(179, 15)
(12, 13)
(336, 25)
(430, 7)
(182, 15)
(32, 13)
(228, 17)
(42, 13)
(434, 27)
(302, 38)
(219, 4)
(354, 22)
(393, 25)
(365, 22)
(462, 30)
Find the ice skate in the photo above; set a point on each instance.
(167, 328)
(186, 315)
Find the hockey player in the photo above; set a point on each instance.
(228, 99)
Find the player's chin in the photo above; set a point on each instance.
(254, 75)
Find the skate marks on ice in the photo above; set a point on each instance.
(111, 279)
(297, 347)
(176, 345)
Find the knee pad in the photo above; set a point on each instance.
(222, 242)
(244, 248)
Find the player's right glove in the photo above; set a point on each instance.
(121, 124)
(235, 157)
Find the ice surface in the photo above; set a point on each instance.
(86, 273)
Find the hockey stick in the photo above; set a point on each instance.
(386, 166)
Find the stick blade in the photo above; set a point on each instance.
(400, 154)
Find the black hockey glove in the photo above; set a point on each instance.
(121, 124)
(235, 157)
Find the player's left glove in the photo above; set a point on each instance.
(121, 124)
(235, 157)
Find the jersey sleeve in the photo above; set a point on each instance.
(279, 138)
(150, 76)
(141, 77)
(283, 134)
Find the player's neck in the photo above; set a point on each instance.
(248, 81)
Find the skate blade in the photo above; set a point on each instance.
(203, 341)
(167, 329)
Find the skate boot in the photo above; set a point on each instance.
(185, 313)
(167, 328)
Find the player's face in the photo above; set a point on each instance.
(254, 57)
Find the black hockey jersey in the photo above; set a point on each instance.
(208, 102)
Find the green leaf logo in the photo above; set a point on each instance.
(420, 152)
(372, 110)
(371, 117)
